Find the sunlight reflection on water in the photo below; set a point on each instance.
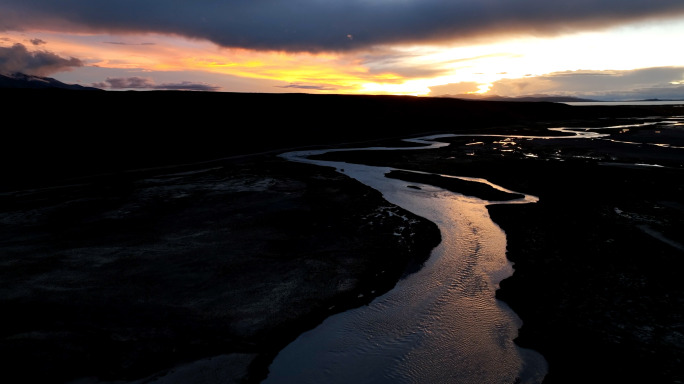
(441, 324)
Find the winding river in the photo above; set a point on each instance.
(441, 324)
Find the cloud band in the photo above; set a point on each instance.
(326, 25)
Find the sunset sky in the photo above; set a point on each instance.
(607, 49)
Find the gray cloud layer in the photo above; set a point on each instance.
(146, 83)
(308, 87)
(648, 82)
(660, 82)
(315, 25)
(40, 63)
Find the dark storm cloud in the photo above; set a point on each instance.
(146, 83)
(40, 63)
(37, 42)
(314, 25)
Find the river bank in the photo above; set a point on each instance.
(120, 279)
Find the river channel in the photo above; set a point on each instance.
(441, 324)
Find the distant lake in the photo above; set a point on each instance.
(657, 102)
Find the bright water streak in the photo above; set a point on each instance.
(441, 324)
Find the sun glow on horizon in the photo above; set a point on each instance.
(482, 89)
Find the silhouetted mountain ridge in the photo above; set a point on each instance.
(21, 80)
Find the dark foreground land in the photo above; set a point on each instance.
(144, 232)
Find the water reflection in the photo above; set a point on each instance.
(441, 324)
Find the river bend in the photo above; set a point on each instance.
(441, 324)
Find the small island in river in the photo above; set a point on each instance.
(158, 237)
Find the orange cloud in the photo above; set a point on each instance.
(325, 72)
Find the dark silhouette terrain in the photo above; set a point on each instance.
(144, 230)
(60, 134)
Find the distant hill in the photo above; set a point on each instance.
(531, 98)
(20, 80)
